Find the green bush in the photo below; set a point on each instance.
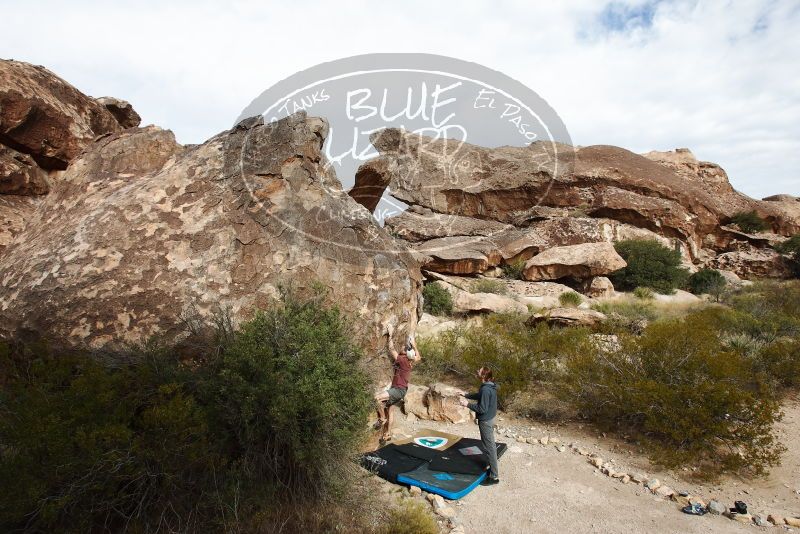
(513, 270)
(518, 354)
(437, 300)
(290, 393)
(262, 426)
(631, 316)
(780, 361)
(644, 293)
(706, 281)
(489, 285)
(685, 398)
(410, 517)
(650, 264)
(570, 299)
(749, 222)
(85, 445)
(767, 310)
(791, 247)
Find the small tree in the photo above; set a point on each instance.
(749, 222)
(650, 264)
(708, 281)
(437, 300)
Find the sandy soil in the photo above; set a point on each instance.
(543, 490)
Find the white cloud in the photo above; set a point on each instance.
(722, 78)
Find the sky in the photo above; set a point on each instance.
(721, 78)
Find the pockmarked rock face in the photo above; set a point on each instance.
(15, 212)
(141, 230)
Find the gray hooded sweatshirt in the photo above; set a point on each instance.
(486, 407)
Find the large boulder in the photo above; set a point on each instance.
(122, 110)
(575, 261)
(47, 118)
(567, 317)
(599, 287)
(431, 326)
(459, 245)
(437, 402)
(141, 231)
(509, 184)
(465, 302)
(442, 402)
(752, 263)
(20, 175)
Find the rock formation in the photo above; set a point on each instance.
(44, 124)
(473, 209)
(578, 262)
(567, 317)
(111, 233)
(140, 231)
(45, 117)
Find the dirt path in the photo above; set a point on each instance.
(544, 490)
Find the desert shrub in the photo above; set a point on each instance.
(513, 270)
(437, 300)
(708, 281)
(85, 445)
(630, 309)
(682, 395)
(289, 391)
(489, 285)
(650, 264)
(410, 517)
(626, 315)
(570, 299)
(791, 247)
(780, 361)
(644, 293)
(518, 354)
(262, 427)
(749, 222)
(742, 343)
(767, 310)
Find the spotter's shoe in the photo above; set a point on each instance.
(490, 481)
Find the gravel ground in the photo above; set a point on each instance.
(543, 490)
